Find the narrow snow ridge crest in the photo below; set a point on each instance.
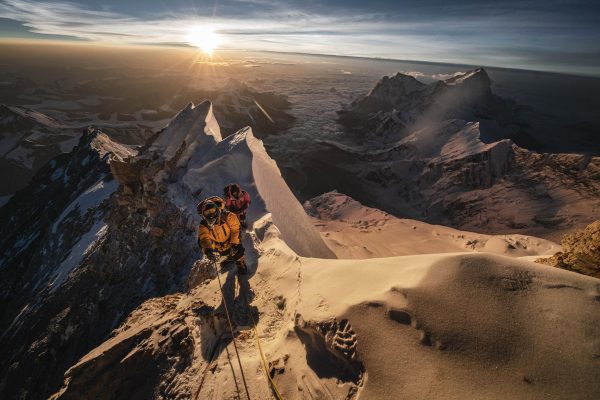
(287, 212)
(192, 128)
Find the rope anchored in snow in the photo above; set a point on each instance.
(256, 335)
(262, 355)
(231, 329)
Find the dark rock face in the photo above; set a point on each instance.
(147, 356)
(68, 279)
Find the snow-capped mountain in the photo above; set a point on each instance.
(426, 152)
(400, 105)
(28, 139)
(101, 297)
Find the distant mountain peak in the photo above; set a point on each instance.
(191, 127)
(397, 85)
(478, 74)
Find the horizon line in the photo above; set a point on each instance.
(175, 46)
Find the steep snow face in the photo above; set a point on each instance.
(184, 133)
(91, 198)
(287, 213)
(189, 161)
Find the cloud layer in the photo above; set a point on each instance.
(549, 35)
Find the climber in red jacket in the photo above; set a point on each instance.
(237, 201)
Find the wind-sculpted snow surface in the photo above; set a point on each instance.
(450, 326)
(353, 230)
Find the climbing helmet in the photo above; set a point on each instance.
(211, 212)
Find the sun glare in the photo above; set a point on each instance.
(203, 37)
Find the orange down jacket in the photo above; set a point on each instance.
(222, 235)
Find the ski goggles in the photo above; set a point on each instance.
(210, 212)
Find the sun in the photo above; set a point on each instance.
(203, 37)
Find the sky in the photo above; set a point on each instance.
(549, 35)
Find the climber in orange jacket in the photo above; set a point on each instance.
(219, 233)
(237, 201)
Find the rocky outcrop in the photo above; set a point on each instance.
(581, 252)
(53, 236)
(146, 356)
(81, 263)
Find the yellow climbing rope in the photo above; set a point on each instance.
(266, 369)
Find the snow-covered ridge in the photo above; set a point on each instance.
(37, 116)
(208, 163)
(188, 161)
(186, 130)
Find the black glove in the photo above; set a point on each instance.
(211, 254)
(236, 251)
